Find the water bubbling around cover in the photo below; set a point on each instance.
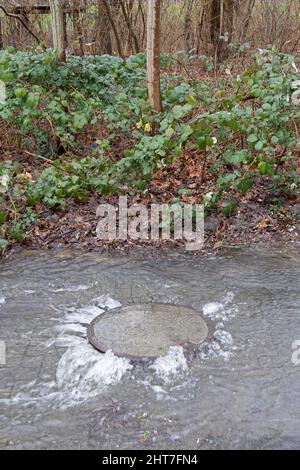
(147, 331)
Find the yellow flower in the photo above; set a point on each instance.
(148, 127)
(139, 124)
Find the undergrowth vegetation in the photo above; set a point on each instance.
(87, 127)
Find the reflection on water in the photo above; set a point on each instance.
(239, 390)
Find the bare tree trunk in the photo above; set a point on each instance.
(215, 24)
(103, 33)
(200, 26)
(144, 27)
(246, 23)
(1, 35)
(114, 27)
(77, 28)
(228, 22)
(188, 25)
(221, 27)
(132, 35)
(65, 28)
(58, 26)
(153, 53)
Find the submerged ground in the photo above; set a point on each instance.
(240, 390)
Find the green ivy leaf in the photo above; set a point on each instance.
(274, 140)
(259, 145)
(252, 139)
(237, 158)
(2, 217)
(3, 244)
(229, 207)
(262, 167)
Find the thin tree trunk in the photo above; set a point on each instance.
(1, 35)
(58, 26)
(221, 27)
(153, 53)
(103, 33)
(59, 31)
(251, 5)
(228, 22)
(114, 28)
(66, 44)
(144, 27)
(202, 15)
(77, 28)
(132, 35)
(215, 23)
(188, 25)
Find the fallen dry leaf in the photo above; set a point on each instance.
(263, 224)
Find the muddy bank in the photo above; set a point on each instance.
(253, 224)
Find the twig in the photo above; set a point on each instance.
(114, 28)
(39, 156)
(19, 18)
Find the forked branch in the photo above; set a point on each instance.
(19, 18)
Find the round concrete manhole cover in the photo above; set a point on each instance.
(147, 331)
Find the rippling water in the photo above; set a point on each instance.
(240, 390)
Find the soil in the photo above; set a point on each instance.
(258, 220)
(262, 218)
(254, 224)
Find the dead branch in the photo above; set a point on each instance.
(19, 18)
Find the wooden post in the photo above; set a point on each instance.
(58, 26)
(153, 54)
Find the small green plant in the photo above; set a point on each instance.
(18, 228)
(242, 129)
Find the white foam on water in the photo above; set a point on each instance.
(169, 366)
(160, 392)
(2, 300)
(70, 289)
(221, 311)
(83, 315)
(65, 341)
(229, 298)
(105, 301)
(224, 337)
(71, 333)
(71, 325)
(213, 350)
(213, 310)
(158, 389)
(222, 344)
(76, 328)
(32, 393)
(83, 373)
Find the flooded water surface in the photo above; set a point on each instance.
(240, 388)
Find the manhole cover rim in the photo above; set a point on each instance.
(187, 346)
